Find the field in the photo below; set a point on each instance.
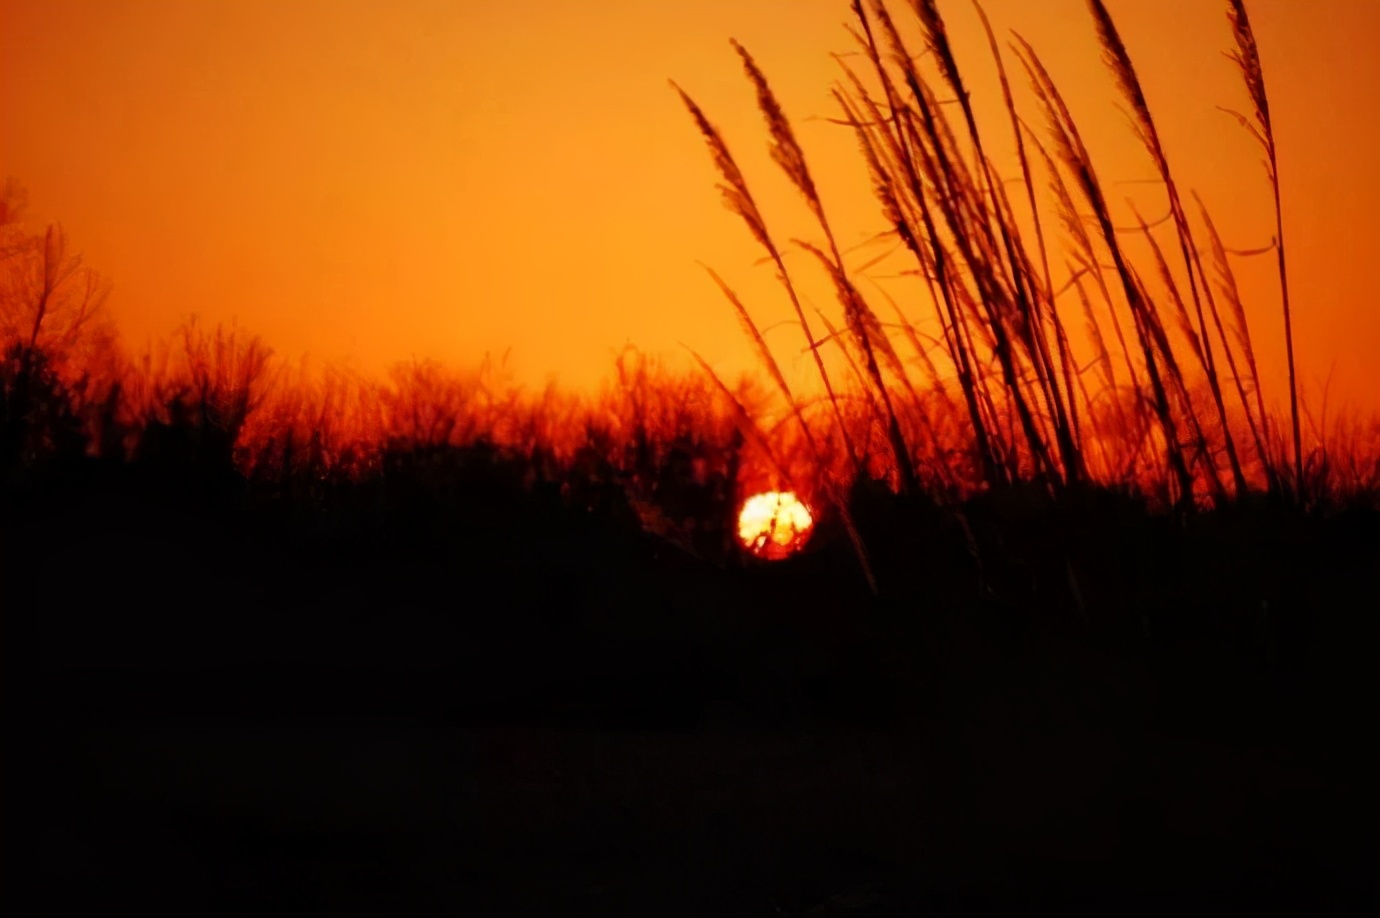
(1081, 627)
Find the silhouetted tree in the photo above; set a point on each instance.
(53, 336)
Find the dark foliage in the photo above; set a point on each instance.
(462, 685)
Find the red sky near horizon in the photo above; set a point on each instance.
(371, 181)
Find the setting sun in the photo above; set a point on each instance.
(774, 524)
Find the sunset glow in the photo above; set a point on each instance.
(448, 179)
(850, 454)
(774, 524)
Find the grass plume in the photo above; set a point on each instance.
(1247, 59)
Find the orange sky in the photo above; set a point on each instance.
(377, 180)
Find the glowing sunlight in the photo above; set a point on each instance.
(774, 524)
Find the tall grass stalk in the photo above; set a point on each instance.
(738, 198)
(1076, 159)
(901, 168)
(861, 321)
(1247, 59)
(1017, 283)
(1119, 62)
(1241, 331)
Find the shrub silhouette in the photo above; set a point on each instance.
(39, 421)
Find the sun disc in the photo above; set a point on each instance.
(774, 524)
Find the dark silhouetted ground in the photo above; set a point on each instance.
(494, 705)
